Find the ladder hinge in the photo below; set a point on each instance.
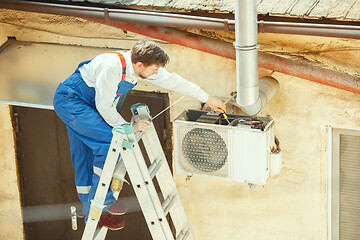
(126, 144)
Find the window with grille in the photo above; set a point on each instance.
(344, 184)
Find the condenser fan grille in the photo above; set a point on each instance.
(205, 149)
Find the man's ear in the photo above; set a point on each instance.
(139, 65)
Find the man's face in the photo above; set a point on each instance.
(145, 72)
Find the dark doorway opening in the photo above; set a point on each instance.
(47, 176)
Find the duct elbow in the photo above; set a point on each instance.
(252, 109)
(268, 87)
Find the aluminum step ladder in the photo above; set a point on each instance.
(125, 143)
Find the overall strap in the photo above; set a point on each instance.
(123, 64)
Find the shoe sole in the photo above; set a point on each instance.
(114, 229)
(116, 214)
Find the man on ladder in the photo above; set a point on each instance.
(86, 102)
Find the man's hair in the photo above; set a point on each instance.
(149, 53)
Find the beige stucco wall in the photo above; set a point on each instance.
(292, 205)
(10, 212)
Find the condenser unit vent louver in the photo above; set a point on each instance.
(205, 149)
(206, 145)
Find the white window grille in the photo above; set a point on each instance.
(343, 184)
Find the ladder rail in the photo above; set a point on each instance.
(165, 179)
(97, 203)
(145, 191)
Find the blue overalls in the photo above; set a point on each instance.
(89, 134)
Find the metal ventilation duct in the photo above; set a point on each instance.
(252, 93)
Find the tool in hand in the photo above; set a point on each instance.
(226, 117)
(139, 136)
(167, 108)
(228, 100)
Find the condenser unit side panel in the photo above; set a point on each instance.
(270, 144)
(250, 156)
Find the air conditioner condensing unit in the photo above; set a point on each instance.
(244, 151)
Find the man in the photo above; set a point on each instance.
(86, 103)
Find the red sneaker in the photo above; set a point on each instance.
(111, 223)
(117, 208)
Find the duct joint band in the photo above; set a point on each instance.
(226, 24)
(244, 48)
(106, 14)
(261, 26)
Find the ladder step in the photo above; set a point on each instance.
(183, 235)
(154, 167)
(168, 203)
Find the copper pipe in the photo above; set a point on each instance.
(311, 29)
(310, 72)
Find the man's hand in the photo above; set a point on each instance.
(141, 126)
(216, 104)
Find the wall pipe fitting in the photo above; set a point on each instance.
(249, 96)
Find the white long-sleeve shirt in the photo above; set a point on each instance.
(104, 74)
